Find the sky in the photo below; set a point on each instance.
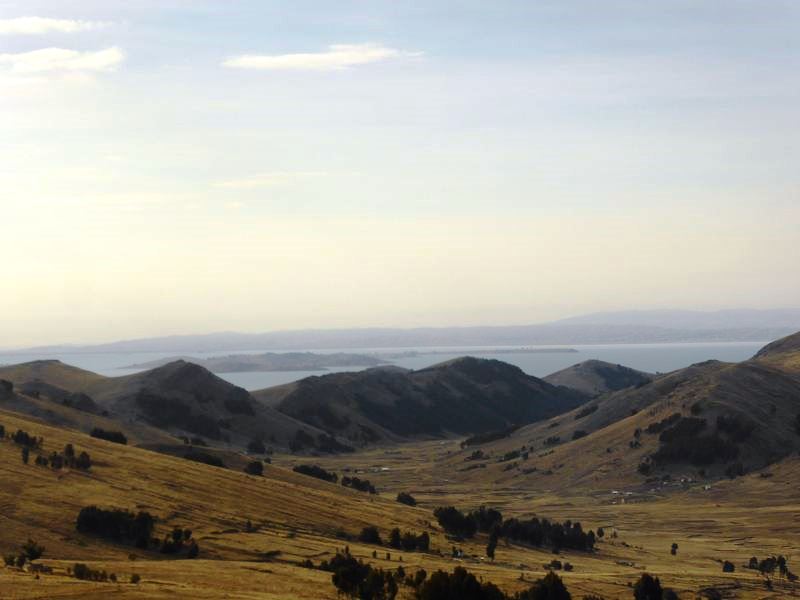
(188, 166)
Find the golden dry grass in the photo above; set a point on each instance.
(297, 517)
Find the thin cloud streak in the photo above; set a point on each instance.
(62, 59)
(41, 25)
(336, 58)
(268, 180)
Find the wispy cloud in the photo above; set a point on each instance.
(40, 25)
(61, 59)
(268, 180)
(336, 57)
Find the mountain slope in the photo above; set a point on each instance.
(180, 398)
(596, 377)
(466, 395)
(712, 418)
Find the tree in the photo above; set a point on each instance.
(83, 462)
(492, 545)
(32, 550)
(674, 549)
(549, 587)
(370, 535)
(26, 453)
(728, 567)
(648, 588)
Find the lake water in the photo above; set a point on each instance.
(646, 357)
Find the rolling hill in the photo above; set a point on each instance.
(710, 420)
(597, 377)
(179, 398)
(463, 396)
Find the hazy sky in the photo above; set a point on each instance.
(174, 166)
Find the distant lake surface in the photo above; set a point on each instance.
(645, 357)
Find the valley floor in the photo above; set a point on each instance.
(295, 517)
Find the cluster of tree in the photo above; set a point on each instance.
(797, 424)
(111, 436)
(316, 471)
(578, 434)
(125, 527)
(464, 585)
(166, 412)
(178, 542)
(121, 526)
(406, 498)
(735, 427)
(58, 461)
(767, 566)
(544, 533)
(454, 522)
(204, 457)
(536, 532)
(23, 438)
(86, 573)
(409, 541)
(489, 436)
(357, 579)
(685, 442)
(29, 551)
(362, 485)
(585, 411)
(552, 440)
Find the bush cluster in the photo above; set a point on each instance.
(316, 471)
(362, 485)
(111, 436)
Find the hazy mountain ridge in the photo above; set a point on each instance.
(598, 328)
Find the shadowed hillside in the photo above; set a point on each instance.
(463, 396)
(709, 420)
(180, 398)
(597, 377)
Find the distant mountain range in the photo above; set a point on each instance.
(270, 361)
(647, 326)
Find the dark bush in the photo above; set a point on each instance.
(316, 471)
(489, 436)
(32, 550)
(111, 436)
(255, 467)
(552, 440)
(362, 485)
(204, 457)
(406, 498)
(648, 588)
(728, 567)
